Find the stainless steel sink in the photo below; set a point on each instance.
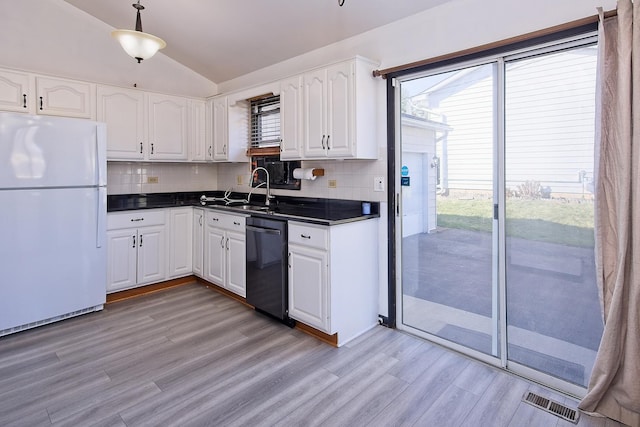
(249, 207)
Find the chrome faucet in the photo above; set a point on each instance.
(268, 197)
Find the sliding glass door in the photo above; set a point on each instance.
(495, 226)
(448, 191)
(553, 316)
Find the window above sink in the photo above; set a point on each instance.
(280, 172)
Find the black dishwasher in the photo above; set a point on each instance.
(267, 267)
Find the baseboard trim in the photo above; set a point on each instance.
(322, 336)
(149, 289)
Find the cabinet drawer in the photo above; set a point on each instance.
(315, 237)
(226, 221)
(134, 219)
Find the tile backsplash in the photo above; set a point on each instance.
(134, 178)
(353, 178)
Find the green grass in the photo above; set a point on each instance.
(545, 220)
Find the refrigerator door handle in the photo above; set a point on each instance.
(101, 223)
(101, 153)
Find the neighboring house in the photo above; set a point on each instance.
(448, 133)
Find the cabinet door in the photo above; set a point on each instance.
(151, 250)
(291, 118)
(197, 131)
(69, 98)
(340, 110)
(180, 242)
(236, 263)
(314, 112)
(214, 255)
(16, 92)
(123, 112)
(198, 238)
(167, 127)
(209, 134)
(308, 296)
(121, 259)
(220, 131)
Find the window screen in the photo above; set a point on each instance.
(265, 122)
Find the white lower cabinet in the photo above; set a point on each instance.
(308, 275)
(224, 251)
(198, 242)
(135, 249)
(333, 277)
(180, 244)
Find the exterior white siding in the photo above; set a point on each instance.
(549, 124)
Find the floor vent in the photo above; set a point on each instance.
(552, 407)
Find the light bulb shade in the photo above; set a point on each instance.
(137, 44)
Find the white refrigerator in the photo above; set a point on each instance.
(53, 199)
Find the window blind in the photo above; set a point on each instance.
(265, 122)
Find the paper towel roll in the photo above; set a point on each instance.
(304, 173)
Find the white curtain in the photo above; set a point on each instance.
(614, 387)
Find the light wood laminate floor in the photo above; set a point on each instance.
(189, 356)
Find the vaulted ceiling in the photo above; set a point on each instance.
(225, 39)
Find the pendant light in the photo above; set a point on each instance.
(137, 44)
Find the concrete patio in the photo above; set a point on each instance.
(553, 314)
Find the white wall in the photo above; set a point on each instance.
(451, 27)
(53, 37)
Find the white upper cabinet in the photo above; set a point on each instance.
(34, 94)
(123, 112)
(220, 132)
(340, 120)
(291, 118)
(329, 112)
(168, 124)
(61, 97)
(227, 132)
(338, 111)
(198, 148)
(314, 113)
(149, 126)
(16, 92)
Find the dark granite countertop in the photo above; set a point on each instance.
(305, 209)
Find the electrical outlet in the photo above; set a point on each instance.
(333, 183)
(152, 180)
(239, 179)
(378, 183)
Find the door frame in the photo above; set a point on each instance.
(500, 56)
